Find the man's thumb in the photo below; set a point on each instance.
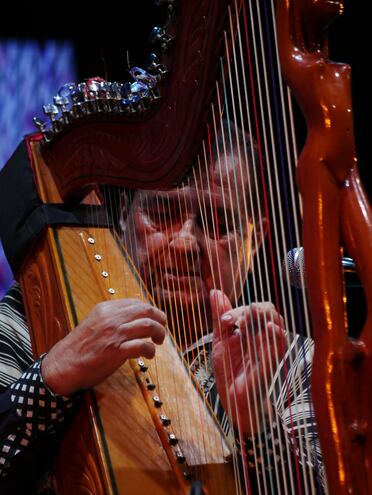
(220, 303)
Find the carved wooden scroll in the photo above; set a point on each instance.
(336, 215)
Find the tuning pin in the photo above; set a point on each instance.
(152, 62)
(139, 89)
(158, 35)
(152, 65)
(92, 93)
(173, 440)
(39, 124)
(44, 128)
(144, 77)
(79, 99)
(66, 90)
(115, 96)
(180, 457)
(52, 111)
(115, 90)
(165, 420)
(127, 100)
(62, 102)
(105, 96)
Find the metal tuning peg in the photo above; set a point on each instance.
(93, 88)
(52, 111)
(115, 96)
(42, 127)
(158, 35)
(144, 77)
(154, 68)
(165, 420)
(39, 124)
(152, 62)
(126, 102)
(62, 102)
(80, 101)
(105, 96)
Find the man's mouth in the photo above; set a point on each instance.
(182, 273)
(177, 280)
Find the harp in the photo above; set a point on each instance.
(153, 148)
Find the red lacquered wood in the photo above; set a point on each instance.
(336, 214)
(154, 149)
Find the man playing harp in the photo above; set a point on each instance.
(194, 252)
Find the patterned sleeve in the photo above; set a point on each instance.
(29, 411)
(291, 396)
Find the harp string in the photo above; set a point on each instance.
(209, 168)
(293, 206)
(263, 387)
(227, 57)
(309, 436)
(237, 254)
(160, 286)
(296, 204)
(228, 216)
(268, 257)
(269, 197)
(255, 406)
(209, 231)
(200, 328)
(174, 204)
(253, 213)
(255, 356)
(183, 271)
(155, 214)
(270, 185)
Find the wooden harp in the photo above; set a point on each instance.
(137, 154)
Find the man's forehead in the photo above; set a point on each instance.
(228, 177)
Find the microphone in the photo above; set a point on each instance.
(293, 268)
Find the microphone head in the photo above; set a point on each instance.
(293, 268)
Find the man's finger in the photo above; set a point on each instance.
(258, 315)
(142, 310)
(142, 328)
(220, 305)
(137, 348)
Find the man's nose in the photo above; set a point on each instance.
(185, 238)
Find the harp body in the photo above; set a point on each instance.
(153, 152)
(117, 439)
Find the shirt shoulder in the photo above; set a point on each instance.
(15, 343)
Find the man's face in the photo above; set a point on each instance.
(188, 240)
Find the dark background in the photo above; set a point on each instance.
(103, 35)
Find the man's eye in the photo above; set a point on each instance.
(161, 217)
(221, 227)
(215, 227)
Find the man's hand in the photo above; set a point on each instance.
(244, 342)
(113, 332)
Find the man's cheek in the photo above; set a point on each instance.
(155, 246)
